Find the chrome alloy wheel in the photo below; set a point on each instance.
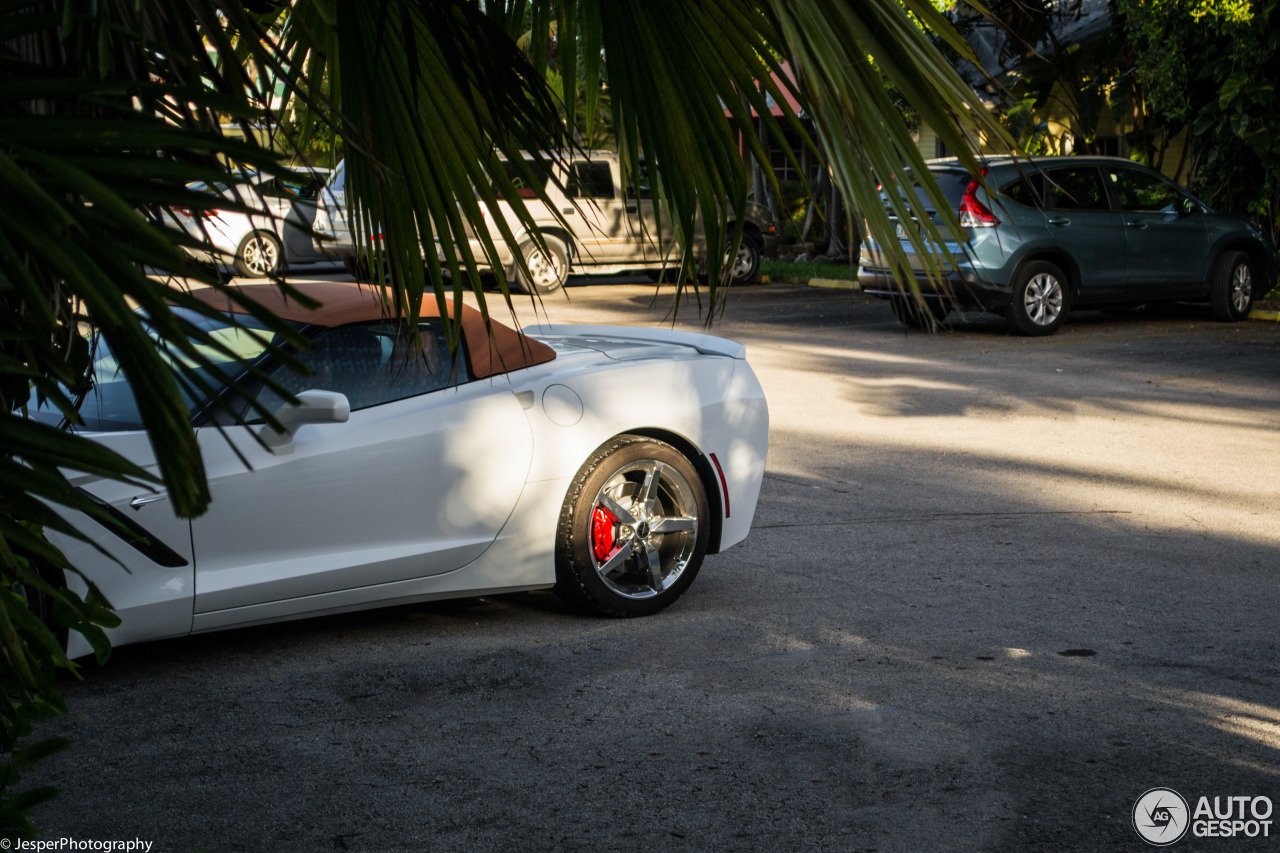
(1043, 299)
(742, 261)
(544, 270)
(261, 255)
(644, 528)
(1241, 287)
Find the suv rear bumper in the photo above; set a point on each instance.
(965, 288)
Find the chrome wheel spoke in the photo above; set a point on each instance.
(674, 525)
(615, 563)
(619, 512)
(651, 560)
(1241, 287)
(649, 491)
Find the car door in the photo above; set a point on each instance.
(1168, 241)
(299, 221)
(149, 574)
(147, 571)
(417, 482)
(1083, 223)
(605, 225)
(292, 216)
(657, 239)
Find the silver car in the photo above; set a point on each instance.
(260, 244)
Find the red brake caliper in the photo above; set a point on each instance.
(602, 524)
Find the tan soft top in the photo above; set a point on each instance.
(347, 302)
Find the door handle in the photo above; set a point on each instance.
(568, 210)
(143, 500)
(631, 210)
(1141, 226)
(1059, 221)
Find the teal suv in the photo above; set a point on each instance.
(1059, 233)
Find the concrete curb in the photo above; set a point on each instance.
(1273, 316)
(842, 284)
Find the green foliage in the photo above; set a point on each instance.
(800, 273)
(1075, 85)
(98, 132)
(1212, 66)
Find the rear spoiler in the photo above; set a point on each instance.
(705, 344)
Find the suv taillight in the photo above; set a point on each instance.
(973, 213)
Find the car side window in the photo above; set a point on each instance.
(308, 189)
(524, 188)
(1077, 189)
(276, 188)
(372, 364)
(1028, 191)
(1143, 193)
(640, 187)
(590, 180)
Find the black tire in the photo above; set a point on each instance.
(1041, 299)
(746, 263)
(667, 275)
(259, 255)
(1232, 287)
(908, 312)
(608, 537)
(546, 272)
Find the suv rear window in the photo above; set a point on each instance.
(953, 185)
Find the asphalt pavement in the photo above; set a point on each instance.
(997, 589)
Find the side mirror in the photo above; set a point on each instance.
(314, 407)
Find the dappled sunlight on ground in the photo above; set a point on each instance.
(996, 589)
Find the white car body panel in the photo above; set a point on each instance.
(515, 562)
(631, 386)
(452, 493)
(453, 461)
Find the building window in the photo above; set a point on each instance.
(1110, 146)
(778, 160)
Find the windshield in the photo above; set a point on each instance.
(110, 405)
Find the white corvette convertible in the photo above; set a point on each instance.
(603, 462)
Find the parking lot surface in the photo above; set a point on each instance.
(997, 589)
